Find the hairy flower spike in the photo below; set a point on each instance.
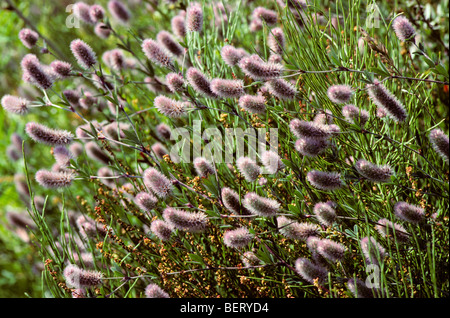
(388, 102)
(325, 213)
(295, 230)
(230, 200)
(323, 180)
(372, 250)
(175, 82)
(390, 229)
(48, 136)
(169, 107)
(54, 180)
(404, 29)
(238, 238)
(145, 201)
(97, 13)
(253, 103)
(28, 37)
(62, 156)
(80, 278)
(163, 131)
(102, 30)
(310, 271)
(259, 205)
(281, 88)
(272, 162)
(250, 259)
(155, 53)
(119, 11)
(166, 40)
(276, 41)
(373, 172)
(340, 94)
(311, 147)
(355, 115)
(203, 167)
(178, 26)
(157, 183)
(94, 152)
(194, 18)
(34, 72)
(232, 55)
(81, 10)
(249, 169)
(409, 212)
(254, 67)
(61, 69)
(270, 17)
(83, 53)
(199, 82)
(331, 250)
(309, 129)
(186, 221)
(154, 291)
(440, 143)
(227, 88)
(161, 229)
(15, 105)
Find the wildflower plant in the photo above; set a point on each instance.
(237, 149)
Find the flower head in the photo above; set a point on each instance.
(254, 67)
(311, 147)
(81, 278)
(171, 45)
(119, 11)
(231, 200)
(61, 69)
(232, 55)
(145, 201)
(15, 105)
(355, 115)
(199, 82)
(253, 103)
(325, 213)
(404, 29)
(311, 272)
(227, 88)
(272, 162)
(270, 17)
(440, 143)
(95, 152)
(374, 172)
(54, 180)
(161, 229)
(169, 107)
(82, 11)
(259, 205)
(409, 212)
(340, 94)
(249, 169)
(295, 230)
(331, 250)
(388, 102)
(28, 37)
(34, 72)
(323, 180)
(309, 129)
(96, 12)
(178, 26)
(186, 221)
(156, 53)
(276, 40)
(194, 18)
(154, 291)
(48, 136)
(372, 250)
(238, 238)
(175, 82)
(157, 183)
(203, 167)
(281, 88)
(83, 53)
(390, 229)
